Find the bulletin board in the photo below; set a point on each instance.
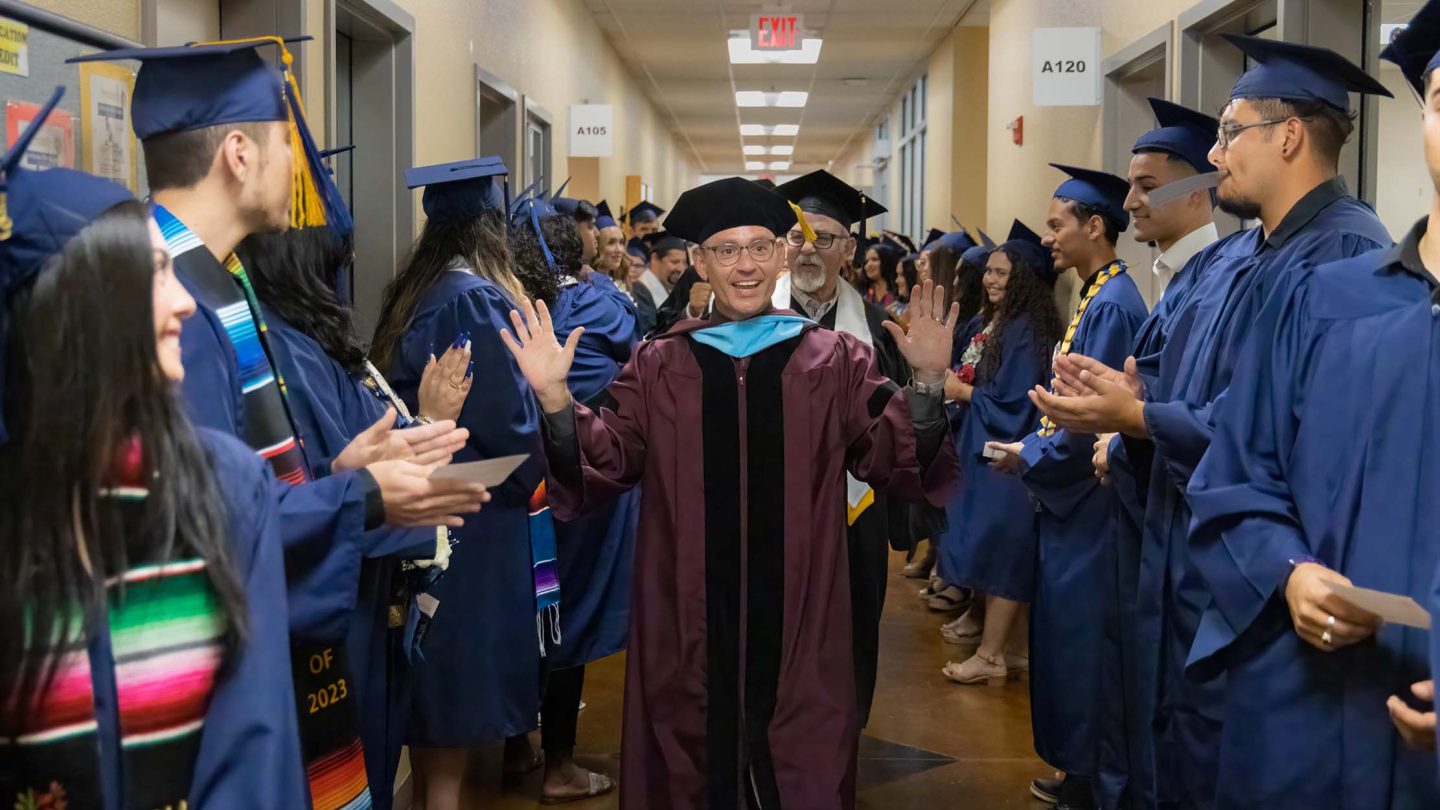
(90, 129)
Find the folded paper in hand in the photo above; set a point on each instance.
(1391, 607)
(490, 472)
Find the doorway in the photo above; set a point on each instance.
(1132, 76)
(370, 65)
(496, 122)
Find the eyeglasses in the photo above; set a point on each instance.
(823, 241)
(727, 254)
(1226, 134)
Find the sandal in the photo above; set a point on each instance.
(978, 668)
(919, 568)
(600, 784)
(949, 600)
(958, 632)
(511, 775)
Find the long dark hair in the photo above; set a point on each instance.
(969, 288)
(479, 242)
(563, 239)
(84, 382)
(1025, 296)
(942, 269)
(294, 274)
(908, 272)
(889, 260)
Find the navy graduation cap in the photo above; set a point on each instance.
(1292, 72)
(644, 211)
(189, 87)
(40, 212)
(660, 242)
(935, 233)
(1102, 191)
(605, 219)
(731, 202)
(957, 241)
(977, 255)
(1182, 132)
(463, 190)
(1026, 243)
(985, 240)
(1415, 49)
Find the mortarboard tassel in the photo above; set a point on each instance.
(804, 224)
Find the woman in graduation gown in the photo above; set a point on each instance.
(144, 548)
(595, 551)
(335, 396)
(990, 543)
(480, 678)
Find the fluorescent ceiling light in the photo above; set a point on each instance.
(782, 150)
(754, 166)
(761, 130)
(754, 149)
(758, 98)
(780, 165)
(742, 54)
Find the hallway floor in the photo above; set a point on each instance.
(931, 744)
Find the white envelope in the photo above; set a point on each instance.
(1391, 607)
(491, 472)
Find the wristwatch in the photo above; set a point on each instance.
(928, 389)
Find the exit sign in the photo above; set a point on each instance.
(776, 32)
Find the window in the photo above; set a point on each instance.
(912, 161)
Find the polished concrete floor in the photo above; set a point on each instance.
(930, 744)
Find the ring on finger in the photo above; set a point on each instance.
(1327, 637)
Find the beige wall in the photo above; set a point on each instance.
(549, 50)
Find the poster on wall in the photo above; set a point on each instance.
(53, 146)
(14, 47)
(1066, 67)
(105, 130)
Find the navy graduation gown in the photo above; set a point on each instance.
(990, 542)
(330, 408)
(250, 746)
(1075, 563)
(318, 521)
(480, 679)
(1319, 452)
(1127, 755)
(1234, 278)
(596, 550)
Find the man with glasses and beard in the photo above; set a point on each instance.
(1278, 152)
(813, 288)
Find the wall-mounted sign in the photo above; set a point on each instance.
(14, 47)
(1066, 67)
(105, 91)
(54, 144)
(592, 130)
(776, 32)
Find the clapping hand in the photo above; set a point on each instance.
(928, 344)
(423, 445)
(446, 382)
(542, 359)
(1091, 397)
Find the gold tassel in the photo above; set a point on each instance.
(307, 207)
(7, 226)
(804, 225)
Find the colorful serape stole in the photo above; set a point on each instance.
(547, 577)
(329, 730)
(165, 632)
(1047, 428)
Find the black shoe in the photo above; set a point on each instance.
(1076, 793)
(1046, 789)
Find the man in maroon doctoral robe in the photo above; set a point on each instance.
(740, 680)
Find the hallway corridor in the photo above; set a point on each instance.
(931, 744)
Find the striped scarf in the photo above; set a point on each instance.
(329, 730)
(150, 669)
(543, 568)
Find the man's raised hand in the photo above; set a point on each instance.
(542, 359)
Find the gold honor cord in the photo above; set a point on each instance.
(1047, 428)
